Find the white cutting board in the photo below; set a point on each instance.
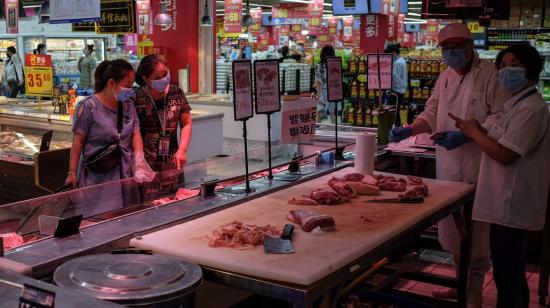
(315, 256)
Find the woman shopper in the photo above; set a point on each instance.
(324, 108)
(86, 66)
(40, 49)
(161, 108)
(107, 144)
(513, 182)
(13, 77)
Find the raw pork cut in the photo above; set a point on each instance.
(325, 196)
(311, 220)
(393, 186)
(351, 177)
(302, 201)
(342, 188)
(361, 188)
(369, 179)
(419, 191)
(11, 240)
(414, 180)
(241, 236)
(181, 194)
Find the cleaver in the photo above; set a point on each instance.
(278, 245)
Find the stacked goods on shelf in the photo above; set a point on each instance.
(499, 39)
(423, 72)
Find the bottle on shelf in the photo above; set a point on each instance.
(354, 88)
(362, 67)
(363, 90)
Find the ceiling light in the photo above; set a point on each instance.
(206, 20)
(420, 22)
(413, 14)
(162, 18)
(414, 2)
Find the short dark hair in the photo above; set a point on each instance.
(115, 70)
(285, 50)
(38, 47)
(147, 67)
(392, 48)
(12, 49)
(90, 48)
(526, 55)
(327, 51)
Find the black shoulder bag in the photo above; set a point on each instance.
(110, 156)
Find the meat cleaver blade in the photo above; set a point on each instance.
(275, 245)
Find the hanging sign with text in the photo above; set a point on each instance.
(299, 117)
(385, 64)
(335, 87)
(266, 81)
(38, 75)
(233, 16)
(242, 93)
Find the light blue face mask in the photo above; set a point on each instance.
(455, 58)
(512, 78)
(124, 94)
(160, 84)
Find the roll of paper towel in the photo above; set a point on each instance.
(365, 151)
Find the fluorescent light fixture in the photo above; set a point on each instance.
(415, 8)
(296, 1)
(415, 2)
(327, 4)
(420, 22)
(414, 14)
(414, 19)
(305, 32)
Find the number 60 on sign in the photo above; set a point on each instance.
(38, 75)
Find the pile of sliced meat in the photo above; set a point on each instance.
(310, 220)
(339, 190)
(181, 194)
(11, 240)
(353, 184)
(239, 235)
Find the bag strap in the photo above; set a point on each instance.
(119, 114)
(525, 95)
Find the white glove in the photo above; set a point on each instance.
(141, 169)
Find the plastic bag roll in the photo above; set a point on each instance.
(365, 151)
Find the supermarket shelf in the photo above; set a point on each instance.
(515, 29)
(507, 40)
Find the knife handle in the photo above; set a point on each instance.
(287, 231)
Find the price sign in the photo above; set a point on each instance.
(266, 77)
(335, 87)
(385, 67)
(242, 90)
(475, 27)
(232, 18)
(38, 75)
(299, 118)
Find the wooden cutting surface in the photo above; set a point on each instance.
(360, 228)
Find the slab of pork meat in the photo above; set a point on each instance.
(11, 240)
(325, 196)
(311, 220)
(419, 191)
(342, 188)
(399, 186)
(350, 177)
(361, 188)
(414, 180)
(369, 179)
(302, 201)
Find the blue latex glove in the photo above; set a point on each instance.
(452, 140)
(399, 133)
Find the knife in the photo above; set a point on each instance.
(397, 200)
(278, 245)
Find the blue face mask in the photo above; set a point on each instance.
(124, 94)
(160, 84)
(512, 78)
(455, 58)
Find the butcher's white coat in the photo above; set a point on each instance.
(516, 195)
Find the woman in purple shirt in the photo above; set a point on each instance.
(95, 128)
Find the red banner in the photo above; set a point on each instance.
(263, 41)
(144, 16)
(233, 16)
(347, 29)
(315, 18)
(256, 28)
(333, 25)
(280, 11)
(11, 15)
(323, 38)
(373, 32)
(299, 11)
(38, 60)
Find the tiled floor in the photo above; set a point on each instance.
(440, 264)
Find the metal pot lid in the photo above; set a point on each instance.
(129, 278)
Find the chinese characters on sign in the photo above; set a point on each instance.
(299, 118)
(38, 75)
(242, 94)
(335, 88)
(268, 97)
(66, 11)
(233, 16)
(386, 62)
(12, 16)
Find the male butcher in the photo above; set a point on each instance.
(469, 87)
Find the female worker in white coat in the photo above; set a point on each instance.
(512, 191)
(468, 88)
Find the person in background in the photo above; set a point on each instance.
(512, 190)
(324, 108)
(13, 78)
(161, 107)
(40, 49)
(286, 57)
(95, 128)
(86, 66)
(469, 89)
(400, 79)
